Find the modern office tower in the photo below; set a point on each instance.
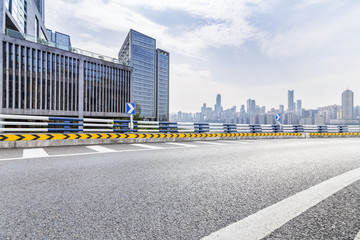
(347, 105)
(24, 18)
(37, 77)
(251, 105)
(139, 51)
(291, 100)
(281, 108)
(162, 85)
(298, 106)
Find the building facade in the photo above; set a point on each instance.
(162, 86)
(39, 78)
(24, 18)
(150, 76)
(347, 105)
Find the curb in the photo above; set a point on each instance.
(45, 140)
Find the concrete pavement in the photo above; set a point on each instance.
(174, 191)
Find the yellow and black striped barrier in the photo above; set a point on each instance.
(70, 136)
(334, 134)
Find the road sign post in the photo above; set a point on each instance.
(130, 109)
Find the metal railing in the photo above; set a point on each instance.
(32, 124)
(16, 34)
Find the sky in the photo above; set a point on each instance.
(241, 49)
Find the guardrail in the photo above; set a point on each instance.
(35, 124)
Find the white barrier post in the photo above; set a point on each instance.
(131, 122)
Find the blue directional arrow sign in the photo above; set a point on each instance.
(130, 108)
(278, 117)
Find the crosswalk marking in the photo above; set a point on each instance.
(181, 144)
(100, 149)
(146, 146)
(34, 153)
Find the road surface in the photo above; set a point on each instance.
(233, 189)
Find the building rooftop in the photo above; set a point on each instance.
(15, 34)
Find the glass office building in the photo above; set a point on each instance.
(25, 17)
(150, 75)
(44, 75)
(138, 51)
(162, 76)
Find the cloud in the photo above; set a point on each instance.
(225, 24)
(332, 29)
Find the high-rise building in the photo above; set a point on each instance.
(347, 105)
(40, 77)
(281, 108)
(24, 18)
(217, 106)
(162, 85)
(291, 100)
(298, 106)
(251, 106)
(139, 51)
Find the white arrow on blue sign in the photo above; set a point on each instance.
(278, 117)
(130, 108)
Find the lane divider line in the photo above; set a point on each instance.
(181, 144)
(267, 220)
(357, 237)
(101, 149)
(210, 143)
(96, 152)
(34, 153)
(146, 146)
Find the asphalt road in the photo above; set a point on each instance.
(179, 191)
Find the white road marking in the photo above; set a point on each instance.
(34, 153)
(255, 141)
(241, 142)
(181, 144)
(212, 143)
(101, 149)
(88, 153)
(267, 220)
(146, 146)
(227, 141)
(357, 236)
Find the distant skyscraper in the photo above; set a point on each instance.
(242, 109)
(291, 100)
(251, 106)
(298, 106)
(218, 100)
(217, 106)
(281, 108)
(347, 105)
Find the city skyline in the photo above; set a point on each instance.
(251, 103)
(346, 113)
(243, 49)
